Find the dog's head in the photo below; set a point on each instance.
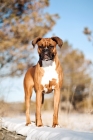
(47, 47)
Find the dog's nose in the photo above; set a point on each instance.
(45, 48)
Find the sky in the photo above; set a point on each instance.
(75, 15)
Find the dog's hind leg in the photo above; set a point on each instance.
(28, 88)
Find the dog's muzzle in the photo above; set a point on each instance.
(46, 55)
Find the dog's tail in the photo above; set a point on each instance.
(42, 98)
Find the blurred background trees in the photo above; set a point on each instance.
(20, 22)
(77, 76)
(88, 33)
(23, 20)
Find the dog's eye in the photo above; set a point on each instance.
(40, 47)
(51, 47)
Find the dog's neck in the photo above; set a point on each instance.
(47, 63)
(44, 63)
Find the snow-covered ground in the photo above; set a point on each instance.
(72, 127)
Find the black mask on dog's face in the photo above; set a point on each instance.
(46, 53)
(47, 47)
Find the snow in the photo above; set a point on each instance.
(79, 127)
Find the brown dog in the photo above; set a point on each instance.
(44, 77)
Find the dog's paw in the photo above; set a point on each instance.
(39, 123)
(56, 126)
(28, 123)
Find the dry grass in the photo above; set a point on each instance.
(10, 109)
(74, 121)
(67, 119)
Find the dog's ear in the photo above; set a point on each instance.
(36, 40)
(57, 40)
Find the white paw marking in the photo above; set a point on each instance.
(57, 126)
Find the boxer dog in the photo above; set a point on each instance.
(46, 76)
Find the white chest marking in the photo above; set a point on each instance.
(49, 73)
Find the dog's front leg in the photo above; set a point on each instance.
(56, 106)
(38, 108)
(27, 104)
